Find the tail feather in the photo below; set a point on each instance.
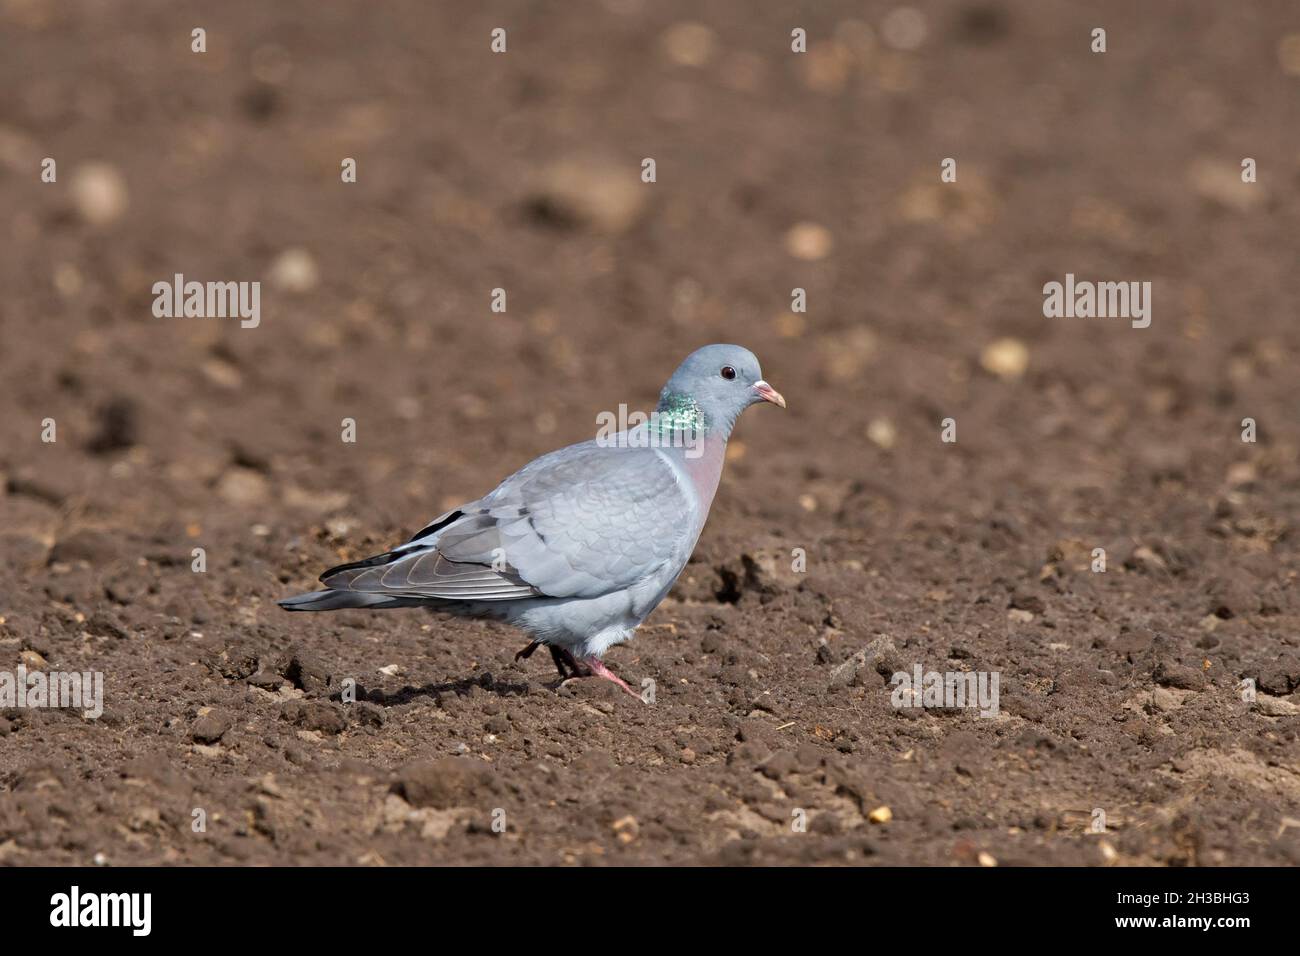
(331, 600)
(338, 580)
(388, 557)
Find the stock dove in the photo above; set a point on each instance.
(580, 545)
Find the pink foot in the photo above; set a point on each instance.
(598, 669)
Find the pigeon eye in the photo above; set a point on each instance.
(728, 372)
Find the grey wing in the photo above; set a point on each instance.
(580, 522)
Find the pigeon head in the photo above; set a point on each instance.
(713, 386)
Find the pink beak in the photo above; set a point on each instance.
(768, 394)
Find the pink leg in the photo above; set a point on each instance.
(599, 669)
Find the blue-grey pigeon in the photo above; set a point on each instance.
(580, 545)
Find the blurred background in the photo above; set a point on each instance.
(521, 171)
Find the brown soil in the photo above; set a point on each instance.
(1119, 690)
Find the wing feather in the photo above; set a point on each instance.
(580, 522)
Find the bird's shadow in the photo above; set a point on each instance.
(460, 688)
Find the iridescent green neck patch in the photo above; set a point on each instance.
(679, 413)
(677, 422)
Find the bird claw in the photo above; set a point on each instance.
(572, 668)
(599, 669)
(565, 663)
(563, 659)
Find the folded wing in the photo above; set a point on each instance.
(580, 522)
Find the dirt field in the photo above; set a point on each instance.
(225, 737)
